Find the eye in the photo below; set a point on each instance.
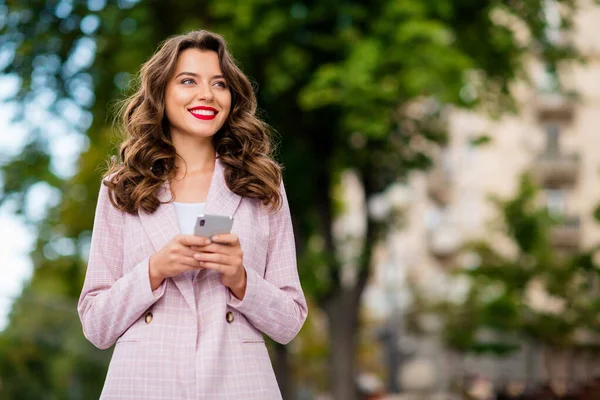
(221, 84)
(187, 81)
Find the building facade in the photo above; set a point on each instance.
(555, 136)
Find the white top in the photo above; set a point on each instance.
(187, 214)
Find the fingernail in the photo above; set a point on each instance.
(197, 256)
(207, 241)
(215, 238)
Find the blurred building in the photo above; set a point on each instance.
(555, 136)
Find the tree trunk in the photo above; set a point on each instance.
(549, 371)
(342, 310)
(282, 370)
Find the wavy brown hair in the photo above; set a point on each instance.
(147, 154)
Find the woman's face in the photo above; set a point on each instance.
(197, 97)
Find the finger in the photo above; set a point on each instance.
(213, 257)
(193, 240)
(186, 251)
(226, 238)
(189, 263)
(219, 248)
(213, 266)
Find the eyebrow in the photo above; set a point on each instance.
(195, 75)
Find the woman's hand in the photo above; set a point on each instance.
(174, 258)
(225, 255)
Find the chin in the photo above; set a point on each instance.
(204, 134)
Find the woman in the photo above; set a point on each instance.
(187, 312)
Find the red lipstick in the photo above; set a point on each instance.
(203, 113)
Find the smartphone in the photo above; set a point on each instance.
(208, 225)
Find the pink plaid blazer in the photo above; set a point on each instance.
(190, 338)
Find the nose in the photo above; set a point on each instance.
(204, 92)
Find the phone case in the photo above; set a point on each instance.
(210, 225)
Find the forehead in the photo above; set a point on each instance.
(198, 61)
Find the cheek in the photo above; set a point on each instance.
(226, 109)
(225, 102)
(175, 102)
(176, 97)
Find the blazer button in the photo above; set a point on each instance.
(148, 317)
(229, 316)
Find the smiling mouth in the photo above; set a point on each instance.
(204, 114)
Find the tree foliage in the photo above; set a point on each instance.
(540, 293)
(346, 84)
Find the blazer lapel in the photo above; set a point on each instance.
(162, 225)
(220, 200)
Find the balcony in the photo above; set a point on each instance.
(554, 107)
(567, 234)
(438, 185)
(554, 170)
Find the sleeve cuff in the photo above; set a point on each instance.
(143, 277)
(252, 287)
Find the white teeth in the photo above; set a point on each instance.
(203, 112)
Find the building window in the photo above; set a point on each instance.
(555, 201)
(552, 139)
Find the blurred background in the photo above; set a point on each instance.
(441, 161)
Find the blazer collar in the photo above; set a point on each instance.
(162, 225)
(220, 200)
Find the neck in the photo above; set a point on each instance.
(195, 155)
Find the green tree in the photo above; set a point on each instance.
(347, 84)
(539, 294)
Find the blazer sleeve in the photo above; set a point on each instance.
(112, 301)
(275, 303)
